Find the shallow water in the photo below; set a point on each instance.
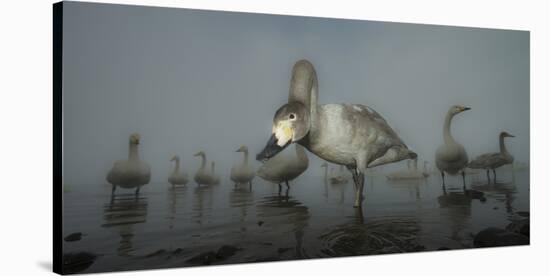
(167, 227)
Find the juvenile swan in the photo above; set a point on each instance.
(243, 173)
(451, 157)
(202, 176)
(491, 161)
(177, 177)
(347, 134)
(283, 168)
(131, 173)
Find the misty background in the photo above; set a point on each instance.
(190, 80)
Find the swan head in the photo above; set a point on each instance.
(243, 148)
(455, 109)
(506, 134)
(134, 139)
(200, 153)
(291, 123)
(175, 158)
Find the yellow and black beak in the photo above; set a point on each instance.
(271, 148)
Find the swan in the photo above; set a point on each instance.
(131, 173)
(451, 157)
(410, 174)
(243, 173)
(283, 168)
(202, 176)
(215, 177)
(491, 161)
(333, 177)
(176, 177)
(347, 134)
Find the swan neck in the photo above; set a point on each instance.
(326, 173)
(133, 152)
(448, 138)
(503, 149)
(304, 88)
(203, 162)
(177, 167)
(245, 160)
(213, 167)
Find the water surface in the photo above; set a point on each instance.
(168, 226)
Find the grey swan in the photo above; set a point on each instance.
(352, 135)
(491, 161)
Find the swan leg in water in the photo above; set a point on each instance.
(137, 190)
(488, 177)
(250, 185)
(494, 176)
(359, 181)
(113, 190)
(443, 177)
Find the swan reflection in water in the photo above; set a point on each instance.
(202, 203)
(242, 198)
(283, 210)
(121, 213)
(176, 201)
(377, 235)
(502, 191)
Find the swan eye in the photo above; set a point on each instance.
(292, 116)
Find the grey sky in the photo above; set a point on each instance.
(190, 80)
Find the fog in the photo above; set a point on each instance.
(196, 80)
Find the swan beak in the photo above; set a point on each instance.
(271, 148)
(283, 133)
(466, 108)
(510, 135)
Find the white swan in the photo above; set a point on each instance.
(491, 161)
(215, 177)
(347, 134)
(243, 173)
(202, 176)
(131, 173)
(284, 168)
(451, 157)
(177, 177)
(410, 174)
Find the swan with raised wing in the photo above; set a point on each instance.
(177, 177)
(284, 167)
(131, 173)
(353, 135)
(243, 173)
(451, 157)
(491, 161)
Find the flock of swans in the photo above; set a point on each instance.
(353, 136)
